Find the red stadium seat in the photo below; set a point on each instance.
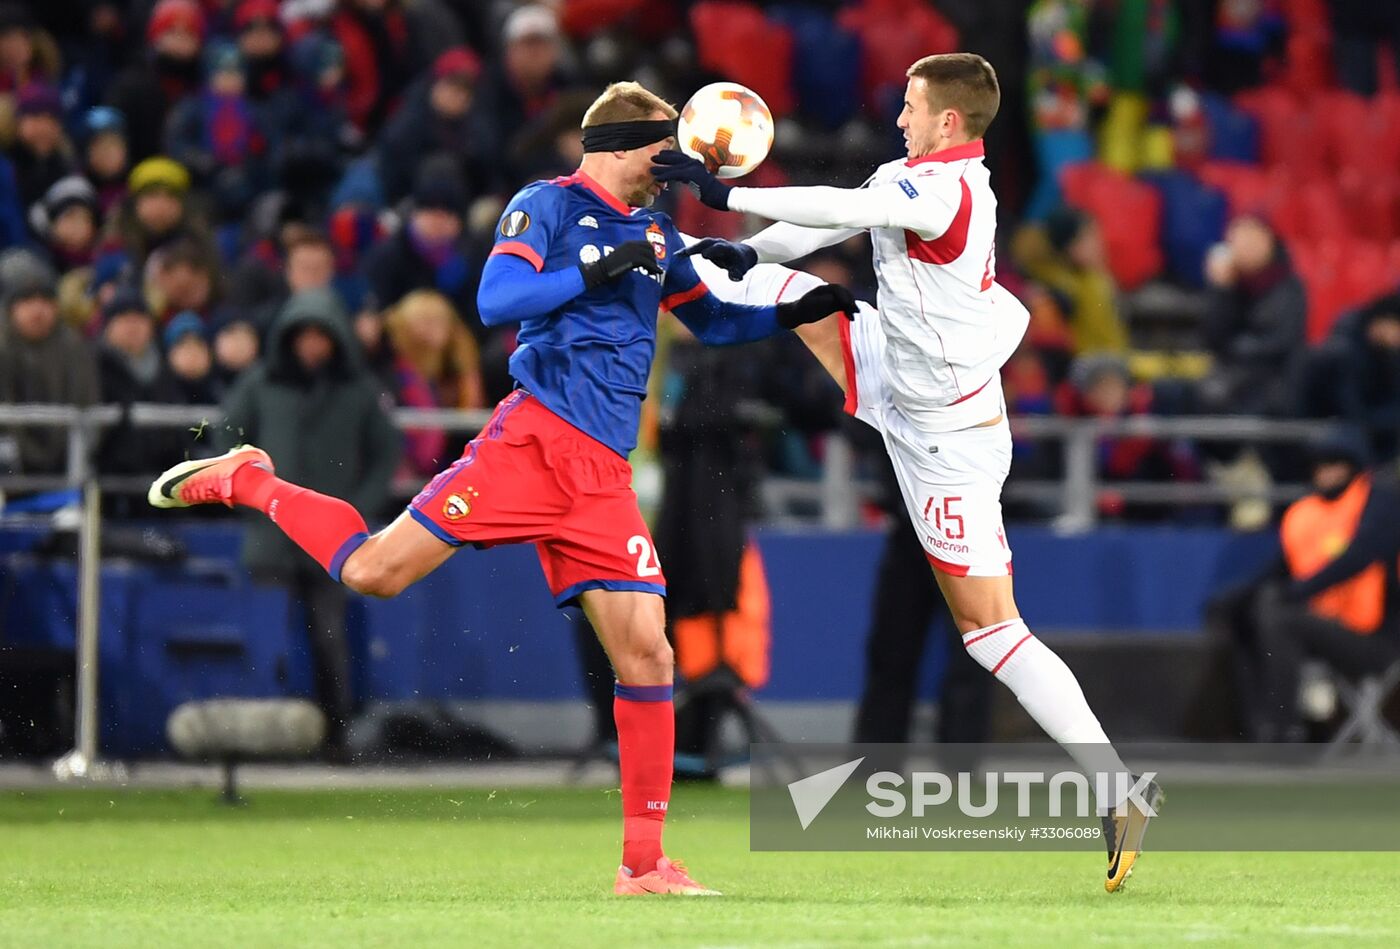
(1291, 135)
(1362, 133)
(893, 34)
(1128, 211)
(737, 41)
(1340, 275)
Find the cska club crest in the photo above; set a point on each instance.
(459, 506)
(658, 240)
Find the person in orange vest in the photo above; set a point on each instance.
(1340, 545)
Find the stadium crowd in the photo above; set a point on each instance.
(197, 195)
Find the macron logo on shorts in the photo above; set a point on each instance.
(909, 188)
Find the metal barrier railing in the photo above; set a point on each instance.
(836, 496)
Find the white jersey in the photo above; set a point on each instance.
(949, 326)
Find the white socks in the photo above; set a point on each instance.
(1047, 689)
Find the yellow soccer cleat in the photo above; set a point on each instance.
(1124, 837)
(669, 878)
(205, 480)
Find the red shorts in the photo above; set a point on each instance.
(531, 477)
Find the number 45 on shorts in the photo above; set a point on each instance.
(947, 518)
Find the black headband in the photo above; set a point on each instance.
(625, 136)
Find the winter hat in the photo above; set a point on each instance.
(1091, 367)
(222, 56)
(99, 120)
(184, 324)
(24, 274)
(255, 11)
(1340, 443)
(314, 53)
(175, 14)
(127, 299)
(159, 172)
(457, 63)
(39, 98)
(360, 185)
(439, 192)
(62, 195)
(531, 21)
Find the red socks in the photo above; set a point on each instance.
(327, 528)
(646, 744)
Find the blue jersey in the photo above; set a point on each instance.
(588, 359)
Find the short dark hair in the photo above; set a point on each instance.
(962, 81)
(309, 237)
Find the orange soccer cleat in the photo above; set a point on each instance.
(669, 877)
(205, 480)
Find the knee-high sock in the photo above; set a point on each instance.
(1048, 690)
(327, 528)
(646, 748)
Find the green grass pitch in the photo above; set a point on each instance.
(534, 868)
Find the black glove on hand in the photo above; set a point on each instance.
(733, 258)
(624, 257)
(817, 304)
(678, 166)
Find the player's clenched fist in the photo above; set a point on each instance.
(817, 304)
(624, 257)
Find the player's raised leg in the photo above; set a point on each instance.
(632, 628)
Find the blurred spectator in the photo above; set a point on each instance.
(376, 36)
(437, 119)
(1067, 255)
(148, 89)
(157, 211)
(1254, 323)
(41, 153)
(318, 133)
(530, 73)
(314, 407)
(105, 156)
(1357, 377)
(1100, 386)
(41, 360)
(260, 43)
(237, 345)
(438, 366)
(1348, 623)
(1066, 86)
(189, 361)
(181, 276)
(551, 146)
(1360, 29)
(217, 134)
(28, 54)
(1247, 34)
(65, 222)
(429, 252)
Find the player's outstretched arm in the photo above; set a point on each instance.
(512, 290)
(895, 204)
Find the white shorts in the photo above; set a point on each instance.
(951, 481)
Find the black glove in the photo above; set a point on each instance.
(817, 304)
(734, 258)
(678, 166)
(623, 258)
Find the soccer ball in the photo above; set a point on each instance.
(728, 127)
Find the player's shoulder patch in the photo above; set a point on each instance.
(908, 188)
(515, 223)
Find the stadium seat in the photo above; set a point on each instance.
(1234, 133)
(1362, 133)
(893, 34)
(1284, 122)
(826, 65)
(1193, 218)
(738, 42)
(1128, 211)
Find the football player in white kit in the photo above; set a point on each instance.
(924, 370)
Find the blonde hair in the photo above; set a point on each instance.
(625, 102)
(962, 81)
(457, 364)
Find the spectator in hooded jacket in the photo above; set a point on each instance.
(147, 90)
(437, 118)
(41, 360)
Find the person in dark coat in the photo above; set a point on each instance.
(41, 153)
(1255, 322)
(314, 405)
(147, 90)
(437, 118)
(1364, 384)
(41, 360)
(377, 36)
(429, 251)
